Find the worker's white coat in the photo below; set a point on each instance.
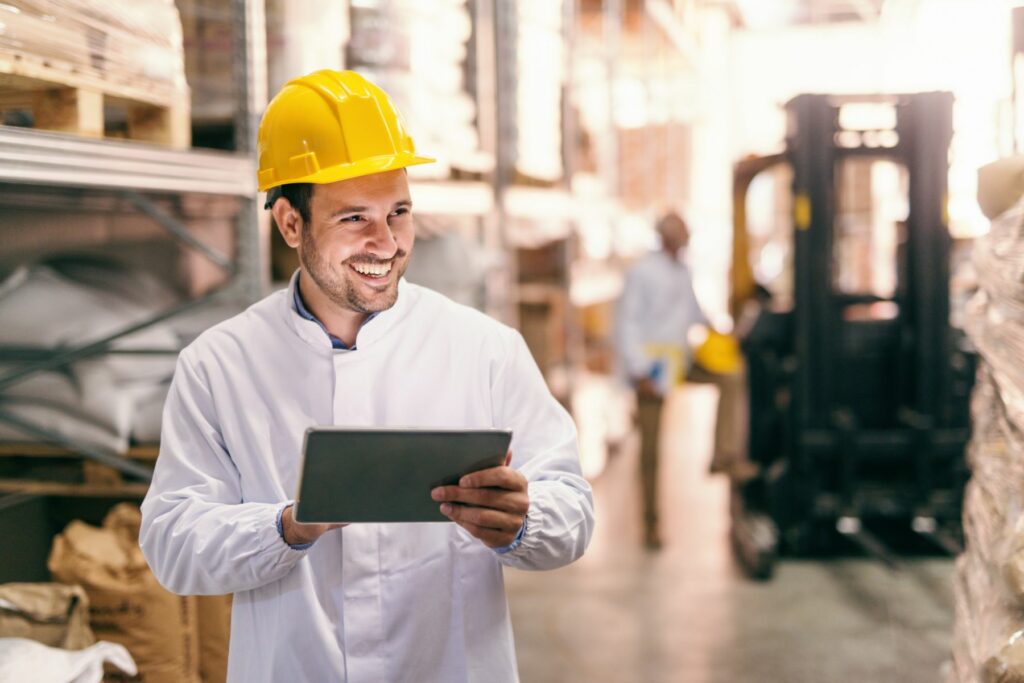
(657, 307)
(369, 602)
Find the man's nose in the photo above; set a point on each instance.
(380, 240)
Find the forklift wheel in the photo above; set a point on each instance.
(755, 540)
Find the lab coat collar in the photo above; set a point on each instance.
(311, 333)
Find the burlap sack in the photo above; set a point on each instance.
(214, 631)
(127, 605)
(213, 612)
(49, 613)
(125, 520)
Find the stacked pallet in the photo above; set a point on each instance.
(989, 590)
(43, 470)
(76, 66)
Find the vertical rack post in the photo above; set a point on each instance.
(250, 66)
(505, 19)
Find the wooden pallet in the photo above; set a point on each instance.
(93, 479)
(70, 98)
(73, 489)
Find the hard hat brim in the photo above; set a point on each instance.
(363, 167)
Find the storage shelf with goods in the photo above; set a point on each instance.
(85, 214)
(127, 242)
(44, 469)
(101, 287)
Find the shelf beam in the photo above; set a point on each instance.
(27, 487)
(43, 158)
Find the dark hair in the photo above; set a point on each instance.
(297, 194)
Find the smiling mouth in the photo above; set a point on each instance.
(373, 272)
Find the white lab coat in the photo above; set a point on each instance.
(657, 308)
(369, 602)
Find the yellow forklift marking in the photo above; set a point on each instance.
(802, 211)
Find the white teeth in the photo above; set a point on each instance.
(375, 269)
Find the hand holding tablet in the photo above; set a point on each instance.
(490, 504)
(387, 475)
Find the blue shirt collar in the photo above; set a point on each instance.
(300, 308)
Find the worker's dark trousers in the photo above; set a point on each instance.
(730, 434)
(648, 418)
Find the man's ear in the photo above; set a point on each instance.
(289, 222)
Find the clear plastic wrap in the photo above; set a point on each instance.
(988, 641)
(208, 28)
(135, 41)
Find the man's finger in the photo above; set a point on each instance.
(489, 537)
(483, 517)
(516, 502)
(499, 477)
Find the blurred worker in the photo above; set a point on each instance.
(350, 342)
(654, 318)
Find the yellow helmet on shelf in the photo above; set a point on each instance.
(330, 126)
(719, 353)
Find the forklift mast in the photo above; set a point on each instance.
(921, 348)
(859, 392)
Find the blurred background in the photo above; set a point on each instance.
(848, 173)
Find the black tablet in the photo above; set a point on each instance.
(386, 475)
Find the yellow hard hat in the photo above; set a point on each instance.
(719, 353)
(330, 126)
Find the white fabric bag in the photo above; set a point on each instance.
(26, 661)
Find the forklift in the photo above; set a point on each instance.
(859, 385)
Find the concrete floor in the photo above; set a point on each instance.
(686, 614)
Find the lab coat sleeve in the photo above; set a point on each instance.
(197, 534)
(629, 320)
(545, 448)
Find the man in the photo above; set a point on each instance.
(352, 343)
(654, 318)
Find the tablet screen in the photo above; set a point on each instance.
(386, 475)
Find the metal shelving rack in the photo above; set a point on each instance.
(55, 160)
(42, 158)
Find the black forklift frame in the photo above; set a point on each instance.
(821, 428)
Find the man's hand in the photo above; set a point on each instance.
(297, 533)
(490, 504)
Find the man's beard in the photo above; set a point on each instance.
(337, 287)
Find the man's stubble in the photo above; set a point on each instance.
(338, 287)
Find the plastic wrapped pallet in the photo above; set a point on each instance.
(988, 642)
(208, 36)
(301, 37)
(137, 41)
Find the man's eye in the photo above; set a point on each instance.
(401, 211)
(351, 219)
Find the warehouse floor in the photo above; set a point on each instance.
(686, 615)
